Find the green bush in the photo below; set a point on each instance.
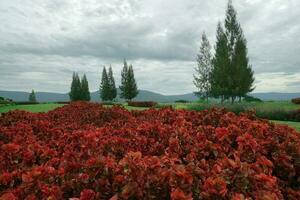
(252, 99)
(6, 101)
(111, 103)
(296, 100)
(161, 106)
(182, 101)
(26, 102)
(261, 110)
(147, 104)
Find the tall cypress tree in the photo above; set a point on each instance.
(32, 97)
(124, 86)
(244, 75)
(85, 92)
(241, 74)
(128, 85)
(132, 87)
(202, 78)
(112, 84)
(220, 78)
(75, 93)
(104, 86)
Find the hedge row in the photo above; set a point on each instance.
(142, 103)
(296, 100)
(271, 114)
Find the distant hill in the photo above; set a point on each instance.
(41, 96)
(276, 96)
(143, 95)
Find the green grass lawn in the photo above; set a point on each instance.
(30, 108)
(295, 125)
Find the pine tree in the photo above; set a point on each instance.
(244, 78)
(104, 87)
(220, 78)
(132, 87)
(123, 86)
(85, 92)
(241, 74)
(32, 97)
(75, 93)
(112, 85)
(128, 84)
(202, 79)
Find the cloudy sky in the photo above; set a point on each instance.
(44, 41)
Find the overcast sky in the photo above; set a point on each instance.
(44, 41)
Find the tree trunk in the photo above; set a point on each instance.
(222, 99)
(232, 99)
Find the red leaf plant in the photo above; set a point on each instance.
(84, 151)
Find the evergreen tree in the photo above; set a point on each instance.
(132, 87)
(112, 85)
(75, 93)
(128, 84)
(85, 92)
(202, 79)
(220, 78)
(105, 87)
(240, 72)
(233, 28)
(32, 97)
(244, 75)
(123, 86)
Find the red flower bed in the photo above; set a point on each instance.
(142, 103)
(84, 151)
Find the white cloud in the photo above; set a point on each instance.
(43, 41)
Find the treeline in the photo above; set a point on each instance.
(224, 74)
(227, 74)
(108, 91)
(79, 89)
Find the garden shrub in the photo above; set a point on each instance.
(296, 100)
(252, 99)
(142, 103)
(84, 151)
(26, 102)
(63, 102)
(266, 113)
(182, 101)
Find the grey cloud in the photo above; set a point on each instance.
(52, 38)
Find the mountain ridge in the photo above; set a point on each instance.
(144, 95)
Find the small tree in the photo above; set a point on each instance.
(75, 93)
(104, 86)
(85, 92)
(112, 85)
(202, 78)
(32, 97)
(128, 84)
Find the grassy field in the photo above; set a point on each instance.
(30, 108)
(295, 125)
(46, 107)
